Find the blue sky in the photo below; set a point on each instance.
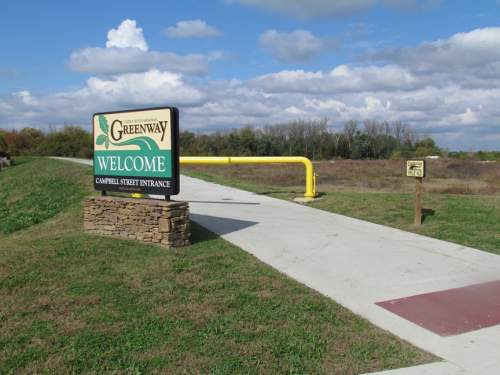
(226, 63)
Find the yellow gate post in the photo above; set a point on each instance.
(217, 160)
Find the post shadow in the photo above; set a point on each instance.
(427, 212)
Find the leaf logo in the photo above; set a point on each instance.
(103, 138)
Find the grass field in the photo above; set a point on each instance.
(76, 303)
(381, 195)
(464, 177)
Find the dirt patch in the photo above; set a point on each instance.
(109, 328)
(3, 271)
(70, 326)
(53, 364)
(189, 279)
(199, 313)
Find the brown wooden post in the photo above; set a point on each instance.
(418, 201)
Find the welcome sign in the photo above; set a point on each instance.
(137, 151)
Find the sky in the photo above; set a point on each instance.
(433, 64)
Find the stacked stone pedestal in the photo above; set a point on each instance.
(165, 223)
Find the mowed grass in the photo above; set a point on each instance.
(470, 220)
(77, 303)
(35, 191)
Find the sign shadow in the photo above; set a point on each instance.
(221, 225)
(226, 202)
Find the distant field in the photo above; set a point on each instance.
(444, 176)
(76, 303)
(462, 198)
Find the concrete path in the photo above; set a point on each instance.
(357, 264)
(440, 368)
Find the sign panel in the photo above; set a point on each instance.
(415, 168)
(137, 151)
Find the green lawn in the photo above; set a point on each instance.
(464, 219)
(36, 190)
(77, 303)
(471, 220)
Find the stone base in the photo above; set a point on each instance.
(165, 223)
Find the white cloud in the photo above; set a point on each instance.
(469, 117)
(458, 106)
(331, 9)
(478, 50)
(311, 8)
(298, 45)
(342, 79)
(127, 52)
(127, 35)
(192, 29)
(410, 4)
(25, 97)
(151, 88)
(132, 60)
(293, 110)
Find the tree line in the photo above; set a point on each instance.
(72, 141)
(313, 139)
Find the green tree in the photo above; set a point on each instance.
(426, 147)
(72, 141)
(3, 143)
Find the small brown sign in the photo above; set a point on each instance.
(415, 168)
